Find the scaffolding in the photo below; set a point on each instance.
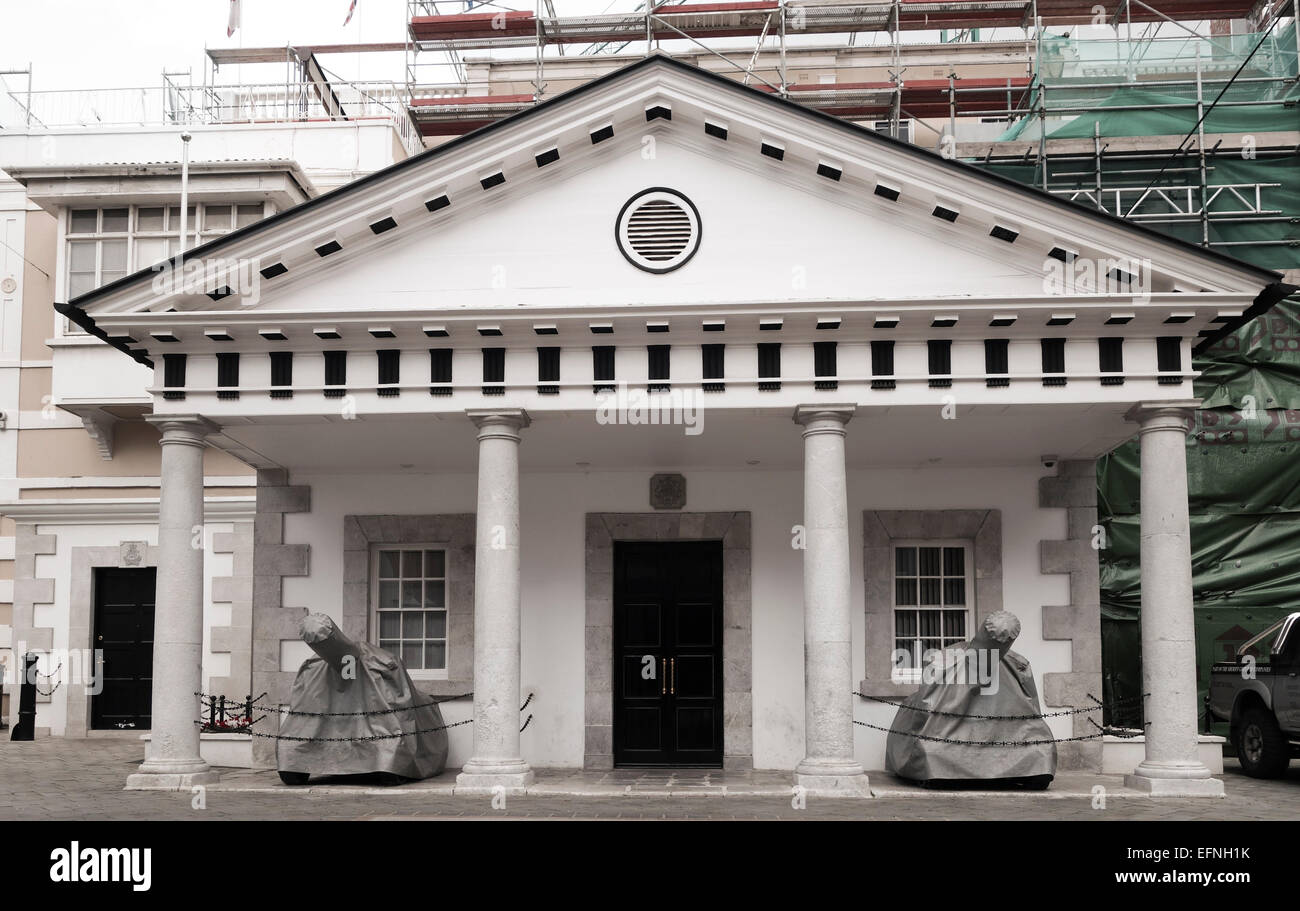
(1006, 85)
(439, 32)
(1204, 133)
(307, 93)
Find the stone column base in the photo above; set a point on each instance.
(833, 786)
(170, 781)
(1178, 780)
(831, 778)
(170, 774)
(487, 777)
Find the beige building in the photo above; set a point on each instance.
(81, 206)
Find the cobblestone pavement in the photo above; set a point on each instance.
(61, 779)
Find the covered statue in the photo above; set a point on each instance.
(358, 712)
(981, 694)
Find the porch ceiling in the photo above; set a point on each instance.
(730, 439)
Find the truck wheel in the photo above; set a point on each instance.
(1261, 747)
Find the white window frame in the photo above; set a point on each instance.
(373, 598)
(196, 229)
(913, 675)
(905, 128)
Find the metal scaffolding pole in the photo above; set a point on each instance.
(1200, 147)
(784, 81)
(897, 51)
(538, 87)
(1096, 151)
(705, 47)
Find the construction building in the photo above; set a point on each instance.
(1178, 116)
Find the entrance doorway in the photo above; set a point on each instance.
(124, 604)
(668, 653)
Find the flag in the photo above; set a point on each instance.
(233, 22)
(351, 9)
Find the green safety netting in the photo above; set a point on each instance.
(1147, 112)
(1243, 480)
(1274, 244)
(1243, 455)
(1147, 88)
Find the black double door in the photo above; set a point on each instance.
(124, 604)
(668, 653)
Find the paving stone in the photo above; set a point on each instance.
(74, 779)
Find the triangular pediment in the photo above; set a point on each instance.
(788, 206)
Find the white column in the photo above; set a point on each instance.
(1171, 767)
(172, 759)
(496, 761)
(828, 764)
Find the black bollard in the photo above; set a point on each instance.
(25, 729)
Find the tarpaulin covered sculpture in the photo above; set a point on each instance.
(359, 692)
(939, 736)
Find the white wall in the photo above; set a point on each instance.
(553, 510)
(57, 615)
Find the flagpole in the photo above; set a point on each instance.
(185, 193)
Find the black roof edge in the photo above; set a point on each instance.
(1263, 303)
(85, 321)
(659, 59)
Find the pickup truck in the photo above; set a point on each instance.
(1259, 695)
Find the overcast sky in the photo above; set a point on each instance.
(127, 43)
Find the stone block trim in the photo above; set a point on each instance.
(880, 529)
(236, 639)
(733, 529)
(1074, 489)
(270, 561)
(455, 534)
(30, 591)
(81, 619)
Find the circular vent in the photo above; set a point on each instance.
(658, 230)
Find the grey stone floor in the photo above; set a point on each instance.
(60, 779)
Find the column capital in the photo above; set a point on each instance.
(498, 421)
(838, 412)
(1162, 415)
(183, 428)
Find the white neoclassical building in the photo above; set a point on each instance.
(695, 414)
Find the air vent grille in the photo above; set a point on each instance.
(658, 230)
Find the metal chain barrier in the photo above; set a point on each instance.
(1069, 711)
(49, 676)
(208, 700)
(409, 708)
(372, 737)
(1101, 731)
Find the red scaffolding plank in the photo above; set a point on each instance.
(921, 98)
(746, 19)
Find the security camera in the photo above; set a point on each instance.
(1049, 461)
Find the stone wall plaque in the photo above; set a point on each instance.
(668, 491)
(132, 553)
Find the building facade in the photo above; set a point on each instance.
(81, 206)
(693, 416)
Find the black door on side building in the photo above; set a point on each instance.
(668, 653)
(124, 600)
